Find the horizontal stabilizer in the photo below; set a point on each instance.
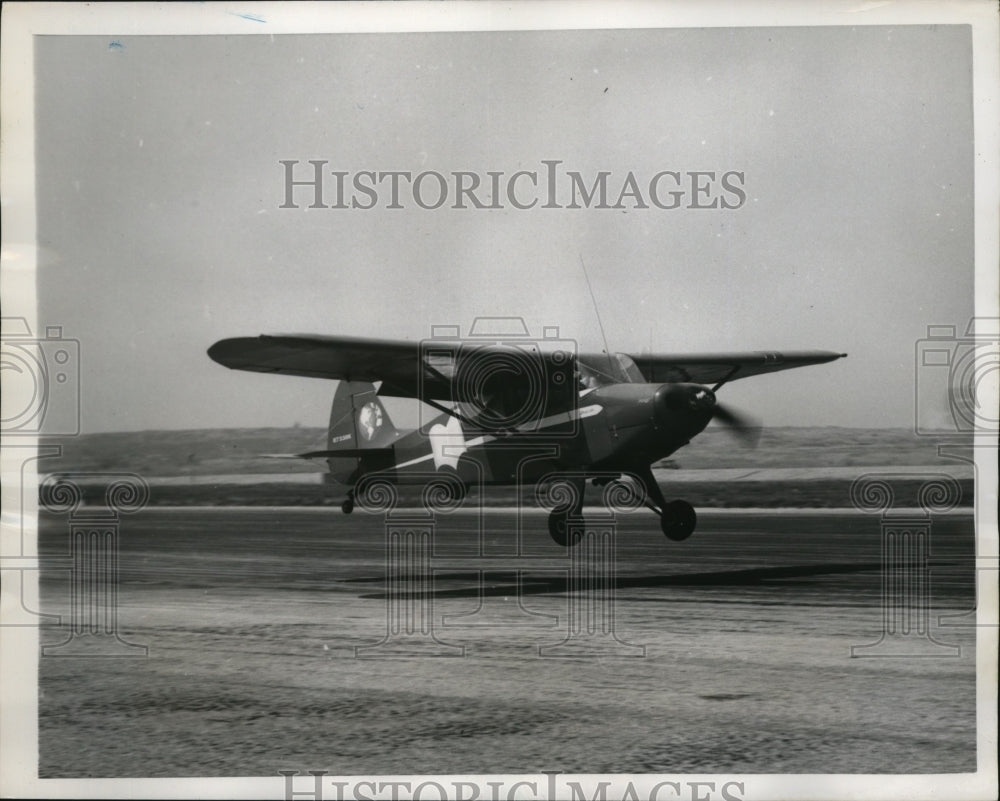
(351, 453)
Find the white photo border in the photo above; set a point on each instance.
(23, 21)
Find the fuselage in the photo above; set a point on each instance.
(613, 428)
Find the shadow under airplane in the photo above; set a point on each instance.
(501, 583)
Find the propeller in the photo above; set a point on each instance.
(745, 428)
(686, 399)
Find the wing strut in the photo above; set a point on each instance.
(460, 417)
(454, 412)
(726, 377)
(435, 373)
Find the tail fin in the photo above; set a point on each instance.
(359, 422)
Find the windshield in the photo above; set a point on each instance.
(601, 370)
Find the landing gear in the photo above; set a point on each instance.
(348, 506)
(678, 520)
(559, 529)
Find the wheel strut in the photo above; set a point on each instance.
(677, 518)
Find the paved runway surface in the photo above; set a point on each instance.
(269, 648)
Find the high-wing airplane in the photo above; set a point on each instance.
(513, 412)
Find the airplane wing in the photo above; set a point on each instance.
(712, 368)
(434, 372)
(395, 363)
(496, 377)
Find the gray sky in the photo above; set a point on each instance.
(158, 188)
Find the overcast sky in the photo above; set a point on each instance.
(159, 186)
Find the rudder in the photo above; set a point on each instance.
(358, 421)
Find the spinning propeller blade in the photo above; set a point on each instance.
(746, 429)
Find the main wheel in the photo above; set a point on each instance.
(678, 520)
(559, 529)
(347, 506)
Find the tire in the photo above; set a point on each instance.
(559, 530)
(678, 521)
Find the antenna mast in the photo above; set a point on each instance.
(607, 351)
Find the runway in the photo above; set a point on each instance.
(271, 647)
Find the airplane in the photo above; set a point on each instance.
(513, 411)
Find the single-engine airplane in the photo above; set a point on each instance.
(514, 411)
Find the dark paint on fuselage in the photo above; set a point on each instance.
(615, 428)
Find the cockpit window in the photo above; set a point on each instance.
(599, 371)
(590, 378)
(632, 373)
